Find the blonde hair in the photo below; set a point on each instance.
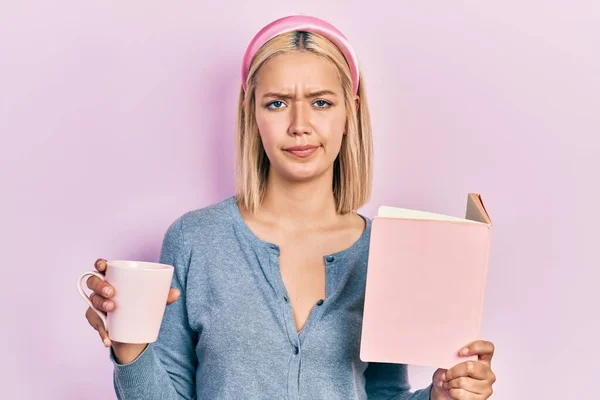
(352, 177)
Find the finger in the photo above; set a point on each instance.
(482, 348)
(468, 384)
(96, 323)
(473, 369)
(461, 394)
(173, 296)
(100, 287)
(100, 265)
(102, 303)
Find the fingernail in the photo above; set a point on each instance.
(107, 305)
(464, 351)
(441, 384)
(107, 291)
(106, 342)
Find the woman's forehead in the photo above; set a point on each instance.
(298, 70)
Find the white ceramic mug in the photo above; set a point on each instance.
(140, 298)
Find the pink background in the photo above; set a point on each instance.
(116, 117)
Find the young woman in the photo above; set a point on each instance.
(269, 284)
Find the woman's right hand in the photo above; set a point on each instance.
(100, 297)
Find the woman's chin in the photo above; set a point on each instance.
(302, 174)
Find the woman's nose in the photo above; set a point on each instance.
(300, 120)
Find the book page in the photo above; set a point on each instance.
(476, 210)
(396, 212)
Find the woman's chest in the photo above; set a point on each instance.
(242, 304)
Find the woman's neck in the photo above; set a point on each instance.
(297, 204)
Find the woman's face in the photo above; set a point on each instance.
(301, 114)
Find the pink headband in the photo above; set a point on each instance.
(306, 24)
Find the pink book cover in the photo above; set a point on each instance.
(425, 286)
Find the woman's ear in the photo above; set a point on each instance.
(356, 108)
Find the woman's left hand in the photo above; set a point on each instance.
(470, 380)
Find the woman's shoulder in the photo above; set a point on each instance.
(214, 213)
(207, 220)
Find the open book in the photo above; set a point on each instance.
(425, 286)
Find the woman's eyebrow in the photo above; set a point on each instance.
(288, 96)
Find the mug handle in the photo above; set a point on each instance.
(87, 299)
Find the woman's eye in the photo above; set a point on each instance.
(322, 103)
(275, 105)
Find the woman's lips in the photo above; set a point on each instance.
(302, 151)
